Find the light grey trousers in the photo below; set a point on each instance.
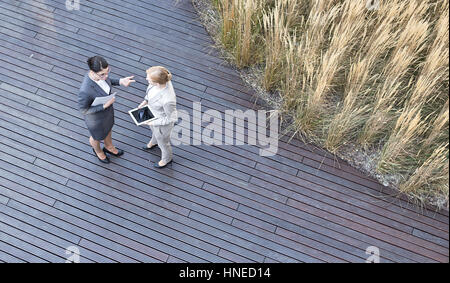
(161, 136)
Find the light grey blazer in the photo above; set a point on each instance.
(163, 106)
(99, 121)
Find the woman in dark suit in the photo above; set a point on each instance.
(99, 119)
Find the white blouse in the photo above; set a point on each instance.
(104, 85)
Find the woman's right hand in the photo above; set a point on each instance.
(143, 103)
(109, 103)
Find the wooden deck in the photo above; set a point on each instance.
(215, 204)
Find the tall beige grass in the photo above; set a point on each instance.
(396, 75)
(277, 23)
(239, 26)
(291, 82)
(431, 179)
(315, 36)
(345, 125)
(409, 127)
(346, 74)
(437, 129)
(407, 136)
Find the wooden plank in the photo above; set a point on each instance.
(270, 260)
(32, 9)
(308, 246)
(84, 229)
(15, 190)
(7, 258)
(5, 26)
(233, 96)
(309, 214)
(50, 231)
(335, 191)
(293, 212)
(40, 47)
(71, 15)
(21, 255)
(20, 84)
(323, 197)
(3, 199)
(177, 192)
(323, 179)
(108, 252)
(360, 179)
(15, 98)
(45, 240)
(358, 250)
(42, 6)
(407, 241)
(45, 80)
(23, 58)
(13, 108)
(30, 244)
(8, 216)
(157, 220)
(173, 259)
(431, 238)
(50, 176)
(346, 201)
(223, 203)
(18, 154)
(259, 247)
(183, 220)
(130, 229)
(343, 165)
(171, 11)
(233, 257)
(161, 17)
(26, 19)
(334, 234)
(172, 30)
(147, 233)
(263, 208)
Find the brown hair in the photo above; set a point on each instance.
(159, 74)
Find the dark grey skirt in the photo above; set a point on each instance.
(100, 124)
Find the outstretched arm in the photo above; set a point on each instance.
(126, 81)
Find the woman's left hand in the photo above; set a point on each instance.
(126, 81)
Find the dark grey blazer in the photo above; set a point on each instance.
(99, 121)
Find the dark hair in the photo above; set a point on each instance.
(97, 63)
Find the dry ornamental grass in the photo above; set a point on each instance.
(369, 74)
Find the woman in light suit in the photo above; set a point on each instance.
(99, 119)
(161, 100)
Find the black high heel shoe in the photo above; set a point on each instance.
(159, 167)
(106, 160)
(119, 152)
